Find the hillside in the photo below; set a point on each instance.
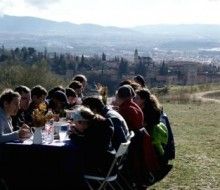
(90, 38)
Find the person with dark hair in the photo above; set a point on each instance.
(82, 79)
(121, 131)
(153, 115)
(94, 134)
(20, 118)
(150, 107)
(125, 82)
(22, 89)
(132, 83)
(71, 97)
(77, 87)
(152, 112)
(131, 112)
(9, 105)
(140, 80)
(58, 103)
(51, 91)
(38, 96)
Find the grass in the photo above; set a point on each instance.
(194, 88)
(196, 130)
(183, 94)
(215, 95)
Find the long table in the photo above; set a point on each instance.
(30, 166)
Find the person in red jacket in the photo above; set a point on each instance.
(131, 112)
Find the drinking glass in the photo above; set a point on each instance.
(63, 132)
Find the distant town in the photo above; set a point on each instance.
(157, 71)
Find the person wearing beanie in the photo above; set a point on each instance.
(131, 112)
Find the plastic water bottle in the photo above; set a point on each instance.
(49, 126)
(50, 131)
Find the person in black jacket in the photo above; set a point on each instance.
(94, 134)
(20, 118)
(121, 131)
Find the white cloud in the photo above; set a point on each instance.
(4, 4)
(41, 4)
(117, 12)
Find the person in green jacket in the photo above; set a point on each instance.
(152, 111)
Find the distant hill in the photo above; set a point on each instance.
(90, 38)
(32, 25)
(195, 31)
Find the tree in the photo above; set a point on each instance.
(24, 53)
(82, 59)
(17, 51)
(31, 51)
(163, 69)
(15, 74)
(141, 69)
(62, 65)
(103, 57)
(123, 67)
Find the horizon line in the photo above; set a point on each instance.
(89, 23)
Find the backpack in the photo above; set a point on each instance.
(169, 149)
(143, 159)
(159, 135)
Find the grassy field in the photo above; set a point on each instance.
(215, 95)
(183, 94)
(196, 130)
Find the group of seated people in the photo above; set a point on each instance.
(98, 128)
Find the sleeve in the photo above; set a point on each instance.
(159, 137)
(108, 134)
(7, 137)
(119, 129)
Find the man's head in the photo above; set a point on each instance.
(25, 94)
(124, 93)
(77, 87)
(71, 96)
(82, 79)
(38, 94)
(95, 104)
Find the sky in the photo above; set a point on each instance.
(121, 13)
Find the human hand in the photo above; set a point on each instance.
(25, 126)
(56, 117)
(72, 129)
(24, 132)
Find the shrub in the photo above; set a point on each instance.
(14, 74)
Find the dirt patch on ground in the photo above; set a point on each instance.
(208, 96)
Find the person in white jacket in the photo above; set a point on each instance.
(9, 105)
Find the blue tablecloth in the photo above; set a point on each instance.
(25, 166)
